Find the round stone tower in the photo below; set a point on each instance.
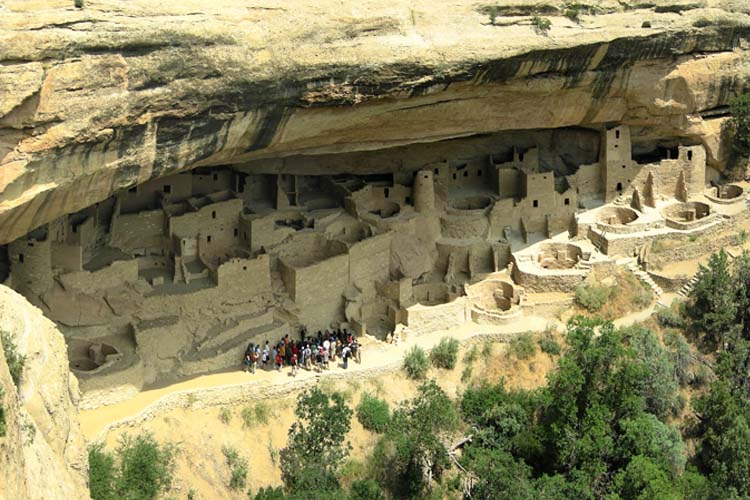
(424, 191)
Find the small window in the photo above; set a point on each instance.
(544, 177)
(167, 188)
(408, 200)
(31, 243)
(624, 166)
(520, 156)
(426, 176)
(208, 239)
(615, 146)
(386, 192)
(236, 232)
(617, 134)
(454, 177)
(690, 155)
(216, 177)
(75, 229)
(244, 268)
(20, 258)
(479, 173)
(466, 173)
(567, 201)
(134, 189)
(436, 171)
(213, 214)
(536, 203)
(619, 186)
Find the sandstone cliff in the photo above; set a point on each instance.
(43, 455)
(99, 99)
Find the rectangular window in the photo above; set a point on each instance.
(167, 188)
(236, 232)
(208, 239)
(216, 177)
(617, 134)
(213, 214)
(536, 203)
(20, 258)
(567, 201)
(134, 189)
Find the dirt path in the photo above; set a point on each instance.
(376, 356)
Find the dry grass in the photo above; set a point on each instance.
(627, 295)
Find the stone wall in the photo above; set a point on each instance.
(369, 263)
(428, 319)
(116, 274)
(135, 231)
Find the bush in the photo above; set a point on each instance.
(445, 354)
(669, 318)
(549, 346)
(15, 360)
(466, 374)
(237, 467)
(592, 297)
(366, 489)
(139, 469)
(373, 413)
(262, 412)
(225, 415)
(471, 355)
(416, 363)
(541, 24)
(523, 346)
(739, 107)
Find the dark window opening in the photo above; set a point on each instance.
(544, 177)
(479, 173)
(567, 201)
(690, 155)
(408, 200)
(454, 177)
(31, 243)
(624, 166)
(520, 156)
(386, 192)
(466, 173)
(167, 188)
(134, 189)
(426, 176)
(617, 134)
(244, 268)
(536, 203)
(208, 239)
(615, 146)
(437, 171)
(236, 232)
(75, 229)
(20, 258)
(619, 186)
(216, 177)
(213, 214)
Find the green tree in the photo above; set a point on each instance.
(412, 453)
(712, 306)
(15, 360)
(102, 473)
(316, 446)
(739, 124)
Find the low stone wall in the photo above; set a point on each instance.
(119, 273)
(425, 319)
(669, 283)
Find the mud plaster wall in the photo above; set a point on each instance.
(245, 277)
(119, 273)
(67, 257)
(218, 180)
(547, 281)
(138, 231)
(158, 348)
(470, 225)
(216, 225)
(264, 233)
(30, 266)
(422, 319)
(319, 289)
(588, 180)
(369, 263)
(146, 195)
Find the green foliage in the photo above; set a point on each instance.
(316, 446)
(15, 360)
(682, 357)
(78, 4)
(542, 25)
(739, 124)
(466, 373)
(487, 349)
(592, 297)
(522, 346)
(237, 467)
(366, 489)
(415, 437)
(268, 493)
(550, 346)
(140, 469)
(669, 318)
(248, 416)
(373, 413)
(3, 423)
(713, 307)
(445, 354)
(263, 412)
(471, 355)
(225, 415)
(416, 363)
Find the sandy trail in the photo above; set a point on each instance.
(96, 423)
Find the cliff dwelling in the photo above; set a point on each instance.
(172, 277)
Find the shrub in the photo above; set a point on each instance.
(445, 354)
(466, 374)
(550, 346)
(416, 363)
(237, 467)
(739, 124)
(487, 349)
(592, 297)
(262, 412)
(373, 413)
(541, 25)
(225, 415)
(139, 469)
(79, 4)
(15, 360)
(669, 318)
(471, 355)
(523, 346)
(366, 489)
(248, 416)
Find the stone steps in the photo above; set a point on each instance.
(688, 287)
(644, 277)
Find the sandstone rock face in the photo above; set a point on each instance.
(43, 456)
(99, 99)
